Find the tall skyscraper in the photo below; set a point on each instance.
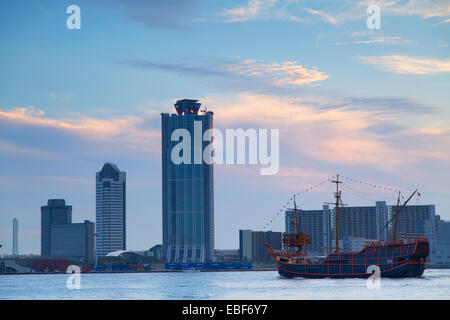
(110, 206)
(55, 212)
(187, 188)
(15, 248)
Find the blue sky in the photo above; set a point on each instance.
(368, 104)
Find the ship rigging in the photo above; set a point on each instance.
(394, 258)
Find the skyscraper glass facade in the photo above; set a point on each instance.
(74, 241)
(55, 212)
(187, 189)
(110, 205)
(245, 245)
(363, 222)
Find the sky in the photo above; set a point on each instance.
(368, 104)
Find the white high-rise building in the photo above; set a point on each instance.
(15, 247)
(110, 208)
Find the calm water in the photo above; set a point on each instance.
(435, 284)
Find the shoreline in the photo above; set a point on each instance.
(431, 267)
(149, 271)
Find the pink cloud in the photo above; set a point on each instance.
(126, 130)
(332, 135)
(288, 72)
(409, 65)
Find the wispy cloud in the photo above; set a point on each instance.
(276, 73)
(130, 131)
(444, 21)
(171, 14)
(409, 65)
(424, 9)
(337, 12)
(396, 40)
(253, 10)
(388, 105)
(208, 68)
(289, 72)
(257, 10)
(181, 14)
(331, 18)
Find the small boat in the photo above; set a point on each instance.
(393, 259)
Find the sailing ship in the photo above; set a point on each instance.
(394, 259)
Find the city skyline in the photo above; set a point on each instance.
(369, 104)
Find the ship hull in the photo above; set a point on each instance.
(406, 270)
(393, 260)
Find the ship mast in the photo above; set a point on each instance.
(295, 216)
(296, 240)
(397, 212)
(302, 239)
(338, 202)
(338, 199)
(396, 217)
